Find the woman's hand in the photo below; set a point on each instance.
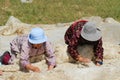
(82, 59)
(1, 72)
(98, 62)
(36, 69)
(50, 67)
(32, 68)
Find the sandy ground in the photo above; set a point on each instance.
(65, 70)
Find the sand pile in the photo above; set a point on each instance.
(65, 70)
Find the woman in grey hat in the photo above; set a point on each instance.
(80, 33)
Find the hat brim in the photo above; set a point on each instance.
(38, 41)
(91, 37)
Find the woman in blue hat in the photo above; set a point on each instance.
(32, 47)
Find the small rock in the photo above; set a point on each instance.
(26, 1)
(110, 20)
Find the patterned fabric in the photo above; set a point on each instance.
(73, 39)
(4, 59)
(22, 46)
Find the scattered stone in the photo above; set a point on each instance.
(26, 1)
(111, 20)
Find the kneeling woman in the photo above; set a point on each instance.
(31, 48)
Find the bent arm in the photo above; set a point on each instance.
(50, 56)
(99, 50)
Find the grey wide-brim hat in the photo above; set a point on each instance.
(90, 32)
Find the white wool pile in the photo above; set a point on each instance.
(111, 39)
(111, 51)
(61, 53)
(9, 68)
(14, 26)
(65, 70)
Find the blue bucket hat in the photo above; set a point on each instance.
(37, 36)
